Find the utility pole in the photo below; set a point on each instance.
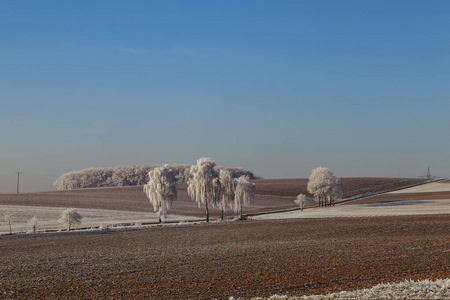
(18, 175)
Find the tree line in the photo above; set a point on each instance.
(128, 176)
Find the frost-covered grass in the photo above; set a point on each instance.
(47, 218)
(426, 188)
(393, 208)
(427, 289)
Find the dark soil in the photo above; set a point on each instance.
(218, 260)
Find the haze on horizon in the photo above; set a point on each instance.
(276, 87)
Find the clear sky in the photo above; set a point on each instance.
(276, 87)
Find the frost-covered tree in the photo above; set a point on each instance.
(131, 175)
(238, 172)
(228, 186)
(32, 224)
(126, 176)
(244, 194)
(300, 200)
(8, 219)
(325, 186)
(182, 171)
(86, 178)
(202, 184)
(70, 217)
(161, 189)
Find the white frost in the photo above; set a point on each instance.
(92, 218)
(325, 187)
(425, 188)
(244, 193)
(394, 208)
(427, 289)
(161, 189)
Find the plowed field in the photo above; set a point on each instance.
(246, 258)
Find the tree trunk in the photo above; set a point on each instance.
(240, 217)
(159, 217)
(222, 214)
(10, 229)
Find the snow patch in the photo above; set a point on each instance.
(425, 188)
(47, 218)
(409, 289)
(393, 208)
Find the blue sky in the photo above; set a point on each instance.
(277, 87)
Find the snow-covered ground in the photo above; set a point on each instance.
(427, 289)
(392, 208)
(426, 188)
(47, 217)
(395, 208)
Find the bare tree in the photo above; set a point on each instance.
(300, 200)
(70, 217)
(8, 219)
(325, 186)
(161, 189)
(228, 186)
(202, 184)
(244, 193)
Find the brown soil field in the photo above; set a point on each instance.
(218, 260)
(271, 195)
(352, 186)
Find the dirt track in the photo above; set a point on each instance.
(248, 258)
